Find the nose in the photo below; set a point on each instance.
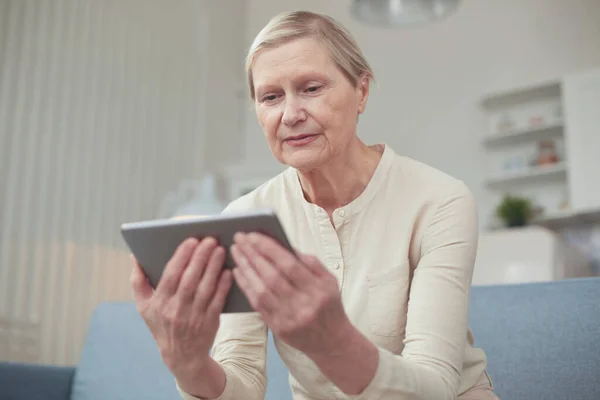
(293, 112)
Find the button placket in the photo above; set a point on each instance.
(333, 259)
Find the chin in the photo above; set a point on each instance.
(304, 159)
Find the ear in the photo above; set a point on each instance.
(362, 88)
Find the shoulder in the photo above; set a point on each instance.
(425, 196)
(269, 194)
(441, 209)
(428, 183)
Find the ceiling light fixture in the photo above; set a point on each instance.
(402, 13)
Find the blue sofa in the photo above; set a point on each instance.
(542, 341)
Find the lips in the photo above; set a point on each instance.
(300, 137)
(301, 140)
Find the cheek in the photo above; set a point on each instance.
(336, 115)
(268, 120)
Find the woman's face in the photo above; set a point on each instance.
(305, 105)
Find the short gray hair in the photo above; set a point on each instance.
(287, 26)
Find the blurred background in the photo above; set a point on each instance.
(120, 110)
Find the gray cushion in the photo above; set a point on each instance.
(542, 339)
(542, 342)
(35, 382)
(120, 360)
(278, 385)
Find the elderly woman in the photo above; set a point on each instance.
(374, 305)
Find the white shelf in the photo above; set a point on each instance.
(547, 131)
(555, 171)
(522, 94)
(568, 218)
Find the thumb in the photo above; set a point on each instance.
(142, 290)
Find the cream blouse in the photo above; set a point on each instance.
(403, 254)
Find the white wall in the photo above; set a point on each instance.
(430, 80)
(226, 30)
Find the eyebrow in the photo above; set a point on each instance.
(303, 77)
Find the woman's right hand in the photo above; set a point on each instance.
(183, 312)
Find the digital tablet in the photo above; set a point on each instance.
(154, 242)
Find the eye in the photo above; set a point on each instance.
(268, 98)
(313, 89)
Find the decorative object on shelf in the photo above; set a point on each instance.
(192, 197)
(514, 211)
(564, 205)
(402, 13)
(536, 120)
(515, 163)
(546, 153)
(505, 124)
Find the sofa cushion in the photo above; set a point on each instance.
(120, 360)
(33, 382)
(542, 340)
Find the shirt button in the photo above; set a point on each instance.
(337, 266)
(341, 213)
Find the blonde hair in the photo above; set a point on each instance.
(287, 26)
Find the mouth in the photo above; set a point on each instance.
(301, 140)
(300, 137)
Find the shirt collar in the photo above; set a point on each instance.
(359, 203)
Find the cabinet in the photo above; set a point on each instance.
(581, 101)
(543, 142)
(536, 254)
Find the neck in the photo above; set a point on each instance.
(343, 178)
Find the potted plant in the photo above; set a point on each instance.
(514, 210)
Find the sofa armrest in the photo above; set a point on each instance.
(32, 382)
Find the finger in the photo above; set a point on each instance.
(215, 307)
(193, 272)
(270, 316)
(270, 274)
(206, 287)
(287, 262)
(142, 290)
(244, 286)
(312, 263)
(169, 280)
(259, 296)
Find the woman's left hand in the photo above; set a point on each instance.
(297, 297)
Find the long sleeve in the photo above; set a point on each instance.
(240, 347)
(430, 365)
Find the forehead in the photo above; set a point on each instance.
(291, 60)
